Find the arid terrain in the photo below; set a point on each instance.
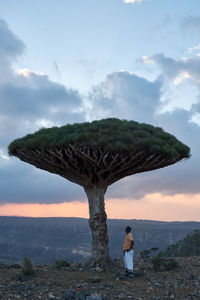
(78, 282)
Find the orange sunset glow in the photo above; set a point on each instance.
(153, 207)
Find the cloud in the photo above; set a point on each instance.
(30, 100)
(10, 45)
(133, 1)
(125, 95)
(177, 80)
(33, 95)
(179, 69)
(195, 48)
(22, 183)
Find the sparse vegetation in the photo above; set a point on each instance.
(27, 267)
(60, 263)
(164, 264)
(188, 246)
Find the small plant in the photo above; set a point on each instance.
(156, 261)
(170, 264)
(163, 264)
(60, 263)
(27, 267)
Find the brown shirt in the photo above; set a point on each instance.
(127, 242)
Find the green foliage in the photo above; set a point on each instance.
(110, 134)
(60, 263)
(188, 246)
(162, 264)
(27, 267)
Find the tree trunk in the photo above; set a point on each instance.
(100, 253)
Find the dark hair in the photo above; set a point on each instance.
(129, 228)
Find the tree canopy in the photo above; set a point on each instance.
(101, 152)
(111, 134)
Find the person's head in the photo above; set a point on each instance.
(128, 229)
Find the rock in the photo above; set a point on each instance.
(191, 277)
(51, 296)
(82, 295)
(22, 277)
(15, 266)
(94, 297)
(95, 279)
(82, 285)
(139, 274)
(69, 294)
(122, 296)
(98, 269)
(120, 276)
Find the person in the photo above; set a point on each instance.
(128, 252)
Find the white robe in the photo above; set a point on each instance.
(128, 260)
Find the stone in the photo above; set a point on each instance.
(51, 296)
(122, 296)
(15, 266)
(82, 295)
(94, 297)
(120, 276)
(139, 274)
(69, 294)
(191, 277)
(95, 279)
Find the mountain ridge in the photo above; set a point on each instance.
(45, 239)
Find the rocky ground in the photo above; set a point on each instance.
(77, 282)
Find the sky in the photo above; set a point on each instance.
(73, 61)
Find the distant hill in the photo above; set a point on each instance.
(188, 246)
(46, 239)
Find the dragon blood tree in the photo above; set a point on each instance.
(95, 155)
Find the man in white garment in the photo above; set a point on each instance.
(128, 252)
